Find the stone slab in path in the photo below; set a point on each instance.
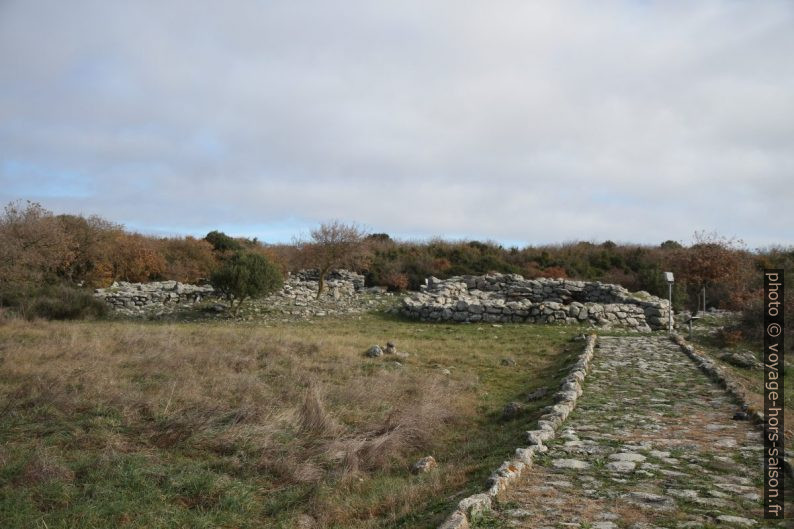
(650, 444)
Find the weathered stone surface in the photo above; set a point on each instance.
(502, 298)
(374, 351)
(643, 402)
(620, 466)
(511, 410)
(570, 463)
(344, 293)
(426, 464)
(538, 394)
(736, 520)
(475, 505)
(745, 360)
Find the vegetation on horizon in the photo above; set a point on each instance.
(42, 250)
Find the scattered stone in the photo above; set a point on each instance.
(736, 520)
(620, 466)
(507, 362)
(511, 410)
(570, 463)
(743, 360)
(686, 494)
(426, 464)
(374, 351)
(538, 394)
(390, 348)
(627, 456)
(604, 525)
(652, 501)
(518, 513)
(741, 416)
(304, 521)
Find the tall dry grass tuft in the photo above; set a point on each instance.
(313, 420)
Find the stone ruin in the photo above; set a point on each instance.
(504, 298)
(493, 298)
(133, 299)
(162, 297)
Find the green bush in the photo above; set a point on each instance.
(246, 275)
(222, 242)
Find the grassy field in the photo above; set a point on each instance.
(122, 424)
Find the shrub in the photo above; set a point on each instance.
(53, 302)
(395, 281)
(246, 275)
(136, 258)
(187, 260)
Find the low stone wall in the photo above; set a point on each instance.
(734, 389)
(503, 298)
(472, 507)
(134, 299)
(163, 297)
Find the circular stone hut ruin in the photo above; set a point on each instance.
(504, 298)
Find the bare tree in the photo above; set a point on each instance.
(334, 244)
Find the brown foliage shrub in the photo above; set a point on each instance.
(728, 337)
(34, 244)
(395, 281)
(136, 258)
(556, 272)
(188, 260)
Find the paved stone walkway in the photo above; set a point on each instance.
(650, 444)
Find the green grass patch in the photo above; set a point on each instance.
(145, 424)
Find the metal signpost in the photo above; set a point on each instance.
(668, 276)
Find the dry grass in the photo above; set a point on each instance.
(244, 426)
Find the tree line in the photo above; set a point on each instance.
(42, 251)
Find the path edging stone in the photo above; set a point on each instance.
(474, 506)
(717, 374)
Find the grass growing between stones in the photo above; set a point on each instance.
(122, 424)
(706, 339)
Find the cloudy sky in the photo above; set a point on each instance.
(522, 122)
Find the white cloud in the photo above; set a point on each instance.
(517, 121)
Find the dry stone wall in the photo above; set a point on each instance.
(503, 298)
(163, 297)
(138, 299)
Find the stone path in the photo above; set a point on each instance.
(650, 444)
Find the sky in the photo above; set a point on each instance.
(520, 122)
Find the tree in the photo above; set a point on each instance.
(246, 275)
(670, 245)
(222, 242)
(710, 261)
(92, 241)
(334, 244)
